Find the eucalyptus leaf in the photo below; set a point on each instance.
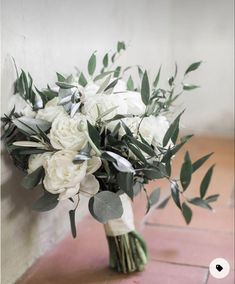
(172, 131)
(186, 172)
(206, 181)
(92, 64)
(82, 80)
(153, 198)
(196, 165)
(33, 179)
(187, 87)
(105, 206)
(125, 183)
(200, 202)
(46, 202)
(194, 66)
(163, 203)
(94, 134)
(130, 84)
(175, 193)
(187, 213)
(145, 89)
(212, 198)
(156, 81)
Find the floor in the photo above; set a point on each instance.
(178, 253)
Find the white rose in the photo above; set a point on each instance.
(65, 178)
(153, 129)
(121, 86)
(51, 110)
(134, 102)
(102, 103)
(27, 111)
(37, 160)
(65, 133)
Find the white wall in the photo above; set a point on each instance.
(48, 35)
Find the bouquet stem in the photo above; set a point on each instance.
(127, 252)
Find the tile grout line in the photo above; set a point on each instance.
(186, 228)
(207, 276)
(180, 264)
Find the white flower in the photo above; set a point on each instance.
(27, 111)
(51, 110)
(121, 86)
(65, 178)
(134, 103)
(65, 133)
(95, 105)
(37, 160)
(154, 128)
(91, 89)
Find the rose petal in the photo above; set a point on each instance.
(93, 165)
(69, 192)
(89, 185)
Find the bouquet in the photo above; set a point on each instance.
(104, 135)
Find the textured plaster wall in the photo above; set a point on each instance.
(52, 35)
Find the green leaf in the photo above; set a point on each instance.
(65, 85)
(156, 81)
(130, 84)
(82, 80)
(144, 147)
(145, 90)
(72, 223)
(153, 173)
(193, 67)
(187, 87)
(111, 85)
(140, 72)
(102, 75)
(175, 193)
(206, 181)
(92, 64)
(153, 199)
(187, 213)
(125, 182)
(137, 187)
(171, 81)
(60, 77)
(163, 203)
(117, 71)
(186, 171)
(33, 179)
(200, 202)
(46, 202)
(106, 60)
(94, 134)
(30, 125)
(212, 198)
(172, 131)
(105, 206)
(136, 151)
(121, 46)
(196, 165)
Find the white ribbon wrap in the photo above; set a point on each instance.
(122, 225)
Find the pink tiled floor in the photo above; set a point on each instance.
(179, 254)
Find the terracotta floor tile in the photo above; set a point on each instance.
(165, 273)
(191, 247)
(222, 219)
(227, 280)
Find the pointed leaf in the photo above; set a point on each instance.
(82, 80)
(106, 60)
(187, 213)
(94, 134)
(125, 182)
(92, 64)
(196, 165)
(72, 223)
(200, 202)
(206, 181)
(175, 193)
(193, 67)
(186, 172)
(155, 83)
(188, 87)
(163, 203)
(145, 89)
(130, 84)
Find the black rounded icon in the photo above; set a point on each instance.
(219, 267)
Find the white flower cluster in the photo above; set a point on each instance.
(62, 176)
